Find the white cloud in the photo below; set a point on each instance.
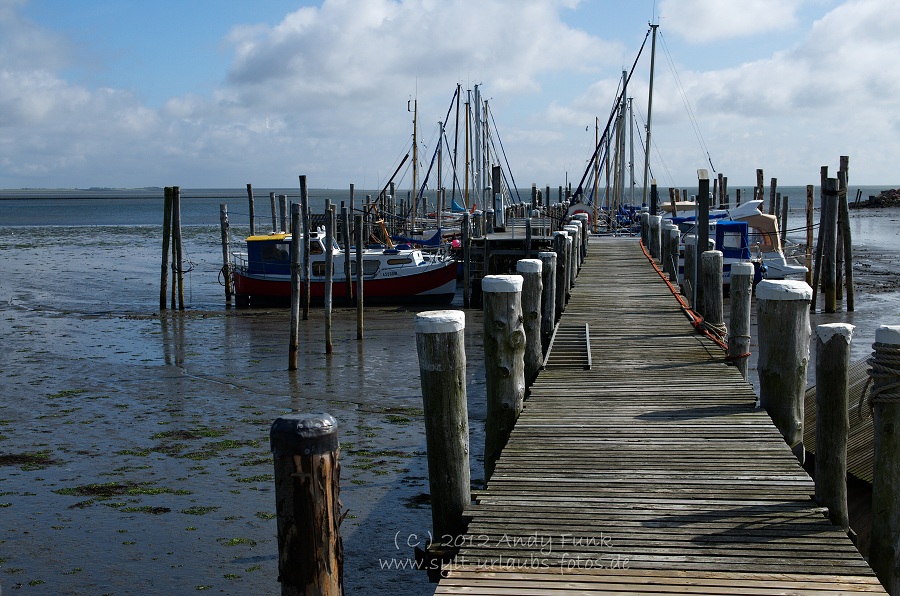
(705, 21)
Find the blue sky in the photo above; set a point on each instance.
(218, 93)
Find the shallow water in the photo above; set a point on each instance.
(135, 444)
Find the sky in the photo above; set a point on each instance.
(221, 93)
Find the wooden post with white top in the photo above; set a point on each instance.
(739, 320)
(532, 290)
(504, 364)
(783, 324)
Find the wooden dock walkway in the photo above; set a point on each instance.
(650, 472)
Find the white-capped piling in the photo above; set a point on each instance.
(783, 324)
(548, 298)
(572, 242)
(532, 290)
(884, 399)
(670, 238)
(440, 342)
(655, 236)
(504, 364)
(711, 280)
(562, 268)
(832, 420)
(741, 290)
(307, 504)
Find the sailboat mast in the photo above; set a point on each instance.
(596, 173)
(476, 144)
(467, 155)
(415, 167)
(649, 112)
(631, 141)
(455, 142)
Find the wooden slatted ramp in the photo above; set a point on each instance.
(652, 472)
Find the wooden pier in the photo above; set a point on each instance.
(647, 468)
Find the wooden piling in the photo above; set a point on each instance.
(737, 197)
(711, 281)
(282, 213)
(440, 342)
(562, 257)
(773, 186)
(360, 283)
(844, 212)
(304, 215)
(532, 292)
(817, 264)
(759, 192)
(167, 235)
(348, 243)
(251, 210)
(178, 256)
(307, 503)
(741, 289)
(783, 326)
(884, 399)
(655, 236)
(645, 227)
(829, 254)
(296, 289)
(329, 277)
(702, 230)
(504, 365)
(548, 298)
(226, 251)
(689, 281)
(785, 200)
(832, 420)
(273, 202)
(809, 233)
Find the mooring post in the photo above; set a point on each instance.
(783, 321)
(809, 233)
(360, 283)
(585, 229)
(739, 318)
(348, 243)
(655, 236)
(711, 282)
(884, 399)
(440, 342)
(572, 242)
(548, 298)
(489, 221)
(329, 277)
(478, 219)
(832, 419)
(669, 240)
(504, 364)
(307, 502)
(562, 268)
(178, 257)
(296, 264)
(532, 291)
(252, 212)
(304, 229)
(282, 212)
(645, 227)
(274, 203)
(167, 235)
(570, 261)
(226, 262)
(829, 255)
(847, 236)
(689, 281)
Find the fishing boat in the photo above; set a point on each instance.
(391, 275)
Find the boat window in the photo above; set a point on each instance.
(370, 267)
(400, 261)
(732, 240)
(318, 269)
(276, 253)
(315, 248)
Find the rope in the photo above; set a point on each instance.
(884, 365)
(694, 317)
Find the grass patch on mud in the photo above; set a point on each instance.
(34, 460)
(108, 490)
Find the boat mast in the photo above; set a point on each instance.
(596, 172)
(455, 142)
(415, 157)
(631, 140)
(623, 112)
(440, 189)
(649, 112)
(467, 153)
(486, 167)
(476, 145)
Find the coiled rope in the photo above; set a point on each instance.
(714, 332)
(884, 366)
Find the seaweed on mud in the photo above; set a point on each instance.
(107, 490)
(146, 509)
(35, 460)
